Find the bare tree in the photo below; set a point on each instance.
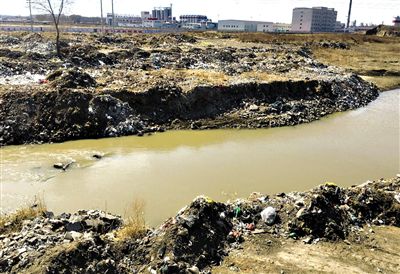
(55, 8)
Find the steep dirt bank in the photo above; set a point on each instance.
(385, 31)
(205, 233)
(67, 114)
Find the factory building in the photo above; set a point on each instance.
(282, 27)
(265, 27)
(340, 27)
(316, 19)
(145, 15)
(124, 20)
(193, 18)
(274, 27)
(162, 13)
(240, 25)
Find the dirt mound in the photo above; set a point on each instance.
(384, 31)
(9, 40)
(43, 233)
(85, 56)
(33, 37)
(66, 114)
(111, 40)
(171, 39)
(195, 237)
(72, 78)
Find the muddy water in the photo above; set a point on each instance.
(168, 170)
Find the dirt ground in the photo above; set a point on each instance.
(379, 253)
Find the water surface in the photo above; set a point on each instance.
(168, 170)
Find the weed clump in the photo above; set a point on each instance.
(135, 225)
(13, 222)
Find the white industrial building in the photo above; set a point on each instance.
(274, 27)
(316, 19)
(282, 27)
(122, 20)
(265, 27)
(240, 25)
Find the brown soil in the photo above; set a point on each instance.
(379, 252)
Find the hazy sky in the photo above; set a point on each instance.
(367, 11)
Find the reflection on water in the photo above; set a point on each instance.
(168, 170)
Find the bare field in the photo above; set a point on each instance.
(265, 254)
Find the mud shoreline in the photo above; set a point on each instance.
(202, 234)
(64, 115)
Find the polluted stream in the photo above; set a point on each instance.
(168, 170)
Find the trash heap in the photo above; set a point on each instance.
(327, 212)
(71, 78)
(20, 249)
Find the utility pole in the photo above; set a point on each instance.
(101, 22)
(30, 13)
(349, 15)
(113, 15)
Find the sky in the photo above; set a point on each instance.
(366, 11)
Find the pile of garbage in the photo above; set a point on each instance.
(71, 78)
(334, 45)
(202, 233)
(20, 249)
(9, 40)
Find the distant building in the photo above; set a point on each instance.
(340, 27)
(316, 19)
(145, 15)
(282, 27)
(162, 13)
(124, 20)
(193, 18)
(274, 27)
(396, 21)
(240, 25)
(265, 27)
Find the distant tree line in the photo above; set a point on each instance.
(70, 19)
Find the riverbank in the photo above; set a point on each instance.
(134, 85)
(206, 234)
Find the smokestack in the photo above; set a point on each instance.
(101, 14)
(349, 15)
(113, 15)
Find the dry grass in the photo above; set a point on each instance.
(13, 222)
(311, 38)
(263, 77)
(364, 57)
(135, 224)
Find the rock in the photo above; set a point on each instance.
(397, 197)
(254, 108)
(63, 166)
(97, 156)
(193, 270)
(76, 226)
(268, 215)
(73, 236)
